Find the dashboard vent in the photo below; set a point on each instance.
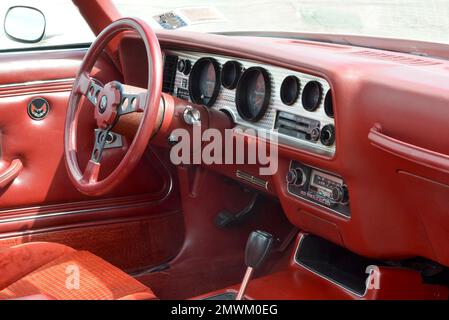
(170, 67)
(414, 61)
(298, 127)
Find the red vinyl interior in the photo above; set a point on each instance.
(294, 282)
(41, 204)
(391, 114)
(396, 193)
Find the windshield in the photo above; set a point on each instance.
(426, 20)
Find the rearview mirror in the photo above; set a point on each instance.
(25, 24)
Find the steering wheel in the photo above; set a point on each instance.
(111, 102)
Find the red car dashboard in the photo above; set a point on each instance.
(296, 108)
(362, 158)
(257, 96)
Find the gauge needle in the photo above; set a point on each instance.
(259, 97)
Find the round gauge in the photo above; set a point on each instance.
(253, 94)
(230, 74)
(329, 105)
(290, 90)
(204, 83)
(312, 95)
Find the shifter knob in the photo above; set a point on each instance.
(257, 248)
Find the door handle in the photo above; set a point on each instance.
(410, 152)
(9, 174)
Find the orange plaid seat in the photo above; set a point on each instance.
(53, 271)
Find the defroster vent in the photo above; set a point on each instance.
(170, 67)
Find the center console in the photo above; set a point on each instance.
(321, 270)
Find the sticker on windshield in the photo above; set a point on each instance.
(184, 17)
(170, 20)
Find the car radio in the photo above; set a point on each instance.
(319, 187)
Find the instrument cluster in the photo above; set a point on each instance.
(297, 107)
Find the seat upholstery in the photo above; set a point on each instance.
(45, 271)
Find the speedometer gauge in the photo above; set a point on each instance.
(204, 84)
(253, 94)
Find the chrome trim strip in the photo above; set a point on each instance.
(51, 215)
(36, 83)
(252, 179)
(325, 277)
(58, 214)
(22, 51)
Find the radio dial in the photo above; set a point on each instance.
(292, 176)
(296, 177)
(340, 194)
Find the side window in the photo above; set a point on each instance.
(41, 23)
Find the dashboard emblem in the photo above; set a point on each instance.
(38, 109)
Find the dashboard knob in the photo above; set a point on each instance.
(296, 177)
(292, 177)
(173, 140)
(340, 194)
(315, 134)
(328, 135)
(181, 66)
(192, 116)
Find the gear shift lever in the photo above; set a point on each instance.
(257, 249)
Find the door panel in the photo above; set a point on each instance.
(39, 145)
(42, 204)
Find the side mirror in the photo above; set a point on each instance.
(25, 24)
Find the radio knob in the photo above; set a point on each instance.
(292, 176)
(340, 194)
(296, 177)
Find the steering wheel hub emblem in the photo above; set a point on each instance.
(107, 105)
(103, 104)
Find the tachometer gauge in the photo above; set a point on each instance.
(253, 94)
(204, 83)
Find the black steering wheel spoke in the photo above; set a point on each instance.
(90, 88)
(101, 136)
(134, 99)
(93, 92)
